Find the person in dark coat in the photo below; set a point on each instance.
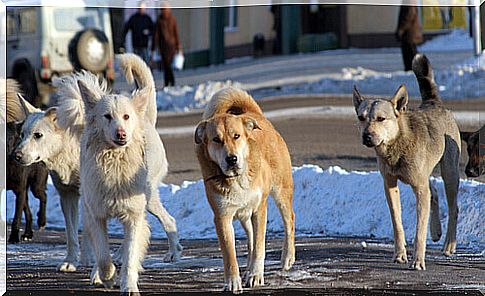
(166, 39)
(409, 33)
(141, 27)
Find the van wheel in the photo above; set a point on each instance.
(92, 50)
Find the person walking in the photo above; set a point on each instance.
(166, 39)
(141, 26)
(409, 33)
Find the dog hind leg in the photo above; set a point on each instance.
(69, 205)
(155, 207)
(451, 178)
(435, 223)
(284, 201)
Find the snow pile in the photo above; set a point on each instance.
(458, 81)
(330, 202)
(458, 39)
(186, 98)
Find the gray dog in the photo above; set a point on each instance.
(408, 146)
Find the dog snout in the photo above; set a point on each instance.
(367, 139)
(231, 160)
(121, 134)
(471, 172)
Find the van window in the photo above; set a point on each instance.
(77, 19)
(28, 20)
(12, 23)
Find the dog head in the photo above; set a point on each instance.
(116, 119)
(40, 136)
(476, 152)
(226, 138)
(379, 118)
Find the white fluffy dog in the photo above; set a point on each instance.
(121, 157)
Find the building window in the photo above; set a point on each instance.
(230, 18)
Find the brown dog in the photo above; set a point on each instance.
(408, 146)
(244, 159)
(476, 152)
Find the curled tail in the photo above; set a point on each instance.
(136, 70)
(231, 100)
(427, 86)
(70, 106)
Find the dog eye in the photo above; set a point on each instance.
(380, 119)
(126, 117)
(236, 136)
(37, 135)
(108, 116)
(217, 140)
(361, 118)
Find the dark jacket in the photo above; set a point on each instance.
(141, 27)
(408, 28)
(166, 36)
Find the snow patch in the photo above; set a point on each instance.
(331, 202)
(458, 39)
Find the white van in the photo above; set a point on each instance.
(58, 40)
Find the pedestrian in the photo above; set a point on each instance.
(409, 33)
(141, 26)
(166, 39)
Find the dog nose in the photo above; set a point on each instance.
(18, 155)
(121, 134)
(367, 138)
(471, 172)
(231, 160)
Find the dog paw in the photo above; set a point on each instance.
(287, 261)
(418, 265)
(234, 285)
(173, 255)
(13, 238)
(254, 280)
(67, 267)
(449, 249)
(401, 258)
(130, 293)
(26, 237)
(94, 278)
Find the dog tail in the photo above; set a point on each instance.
(70, 106)
(9, 89)
(136, 70)
(231, 100)
(427, 86)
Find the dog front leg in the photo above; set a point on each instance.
(69, 205)
(256, 274)
(98, 235)
(225, 233)
(423, 202)
(248, 228)
(137, 235)
(394, 203)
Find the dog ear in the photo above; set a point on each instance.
(400, 100)
(200, 132)
(356, 98)
(51, 114)
(141, 99)
(251, 124)
(465, 135)
(88, 97)
(26, 106)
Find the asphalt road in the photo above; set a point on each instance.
(320, 141)
(334, 266)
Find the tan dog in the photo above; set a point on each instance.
(408, 146)
(244, 159)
